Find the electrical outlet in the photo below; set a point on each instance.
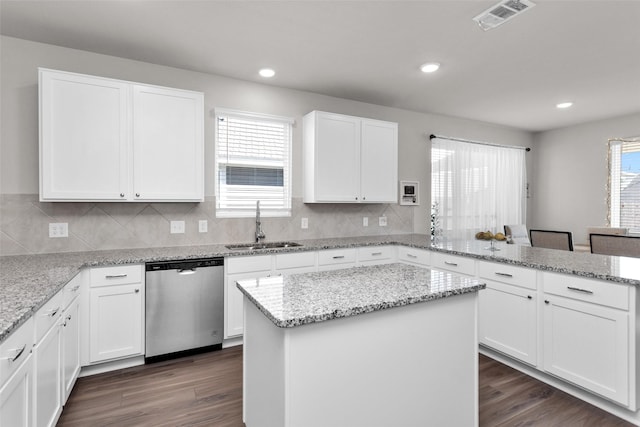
(382, 221)
(304, 223)
(365, 221)
(203, 226)
(177, 227)
(58, 229)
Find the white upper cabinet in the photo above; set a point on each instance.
(349, 159)
(110, 140)
(83, 137)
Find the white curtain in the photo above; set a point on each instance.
(477, 187)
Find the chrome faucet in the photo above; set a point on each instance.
(259, 233)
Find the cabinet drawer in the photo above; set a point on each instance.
(115, 275)
(298, 260)
(505, 273)
(71, 290)
(15, 349)
(336, 256)
(414, 256)
(374, 253)
(453, 263)
(598, 292)
(247, 264)
(48, 315)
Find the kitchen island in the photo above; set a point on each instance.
(367, 346)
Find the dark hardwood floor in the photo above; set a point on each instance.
(206, 390)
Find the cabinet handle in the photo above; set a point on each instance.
(356, 198)
(503, 274)
(338, 257)
(376, 253)
(137, 194)
(121, 194)
(137, 290)
(364, 198)
(115, 276)
(546, 301)
(69, 317)
(52, 312)
(18, 351)
(412, 256)
(453, 264)
(529, 297)
(74, 289)
(584, 291)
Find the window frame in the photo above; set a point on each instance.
(614, 178)
(265, 210)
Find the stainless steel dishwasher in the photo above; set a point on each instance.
(184, 307)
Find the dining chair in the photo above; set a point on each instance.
(551, 239)
(608, 244)
(518, 233)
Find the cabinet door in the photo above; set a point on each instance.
(115, 324)
(337, 158)
(379, 162)
(83, 137)
(47, 398)
(15, 396)
(507, 320)
(587, 344)
(233, 303)
(70, 347)
(168, 144)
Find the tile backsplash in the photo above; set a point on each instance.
(24, 224)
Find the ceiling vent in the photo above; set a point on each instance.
(500, 13)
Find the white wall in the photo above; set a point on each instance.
(20, 60)
(569, 186)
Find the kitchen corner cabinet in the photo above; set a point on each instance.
(586, 335)
(116, 312)
(110, 140)
(349, 159)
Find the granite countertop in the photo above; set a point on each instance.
(298, 299)
(29, 281)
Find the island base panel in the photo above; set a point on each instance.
(412, 366)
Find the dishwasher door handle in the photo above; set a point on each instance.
(187, 271)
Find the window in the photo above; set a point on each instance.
(477, 187)
(624, 183)
(253, 162)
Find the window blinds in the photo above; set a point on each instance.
(253, 162)
(624, 184)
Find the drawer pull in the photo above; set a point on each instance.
(115, 276)
(74, 289)
(376, 253)
(137, 291)
(412, 256)
(18, 351)
(503, 274)
(338, 257)
(584, 291)
(453, 264)
(52, 312)
(529, 297)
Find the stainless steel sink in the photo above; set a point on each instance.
(258, 246)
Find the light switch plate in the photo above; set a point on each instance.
(365, 221)
(177, 227)
(304, 223)
(203, 226)
(382, 221)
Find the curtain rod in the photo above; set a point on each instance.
(478, 142)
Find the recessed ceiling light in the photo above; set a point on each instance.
(429, 67)
(564, 105)
(267, 72)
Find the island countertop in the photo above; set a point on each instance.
(298, 299)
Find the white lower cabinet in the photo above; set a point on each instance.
(586, 336)
(507, 320)
(46, 379)
(70, 360)
(415, 256)
(116, 312)
(16, 377)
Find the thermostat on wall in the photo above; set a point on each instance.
(409, 193)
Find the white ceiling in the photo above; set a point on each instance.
(586, 51)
